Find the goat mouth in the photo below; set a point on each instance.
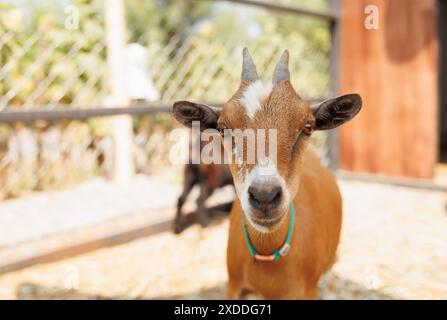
(267, 222)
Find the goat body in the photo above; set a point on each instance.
(208, 177)
(313, 247)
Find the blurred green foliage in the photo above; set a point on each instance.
(46, 63)
(160, 20)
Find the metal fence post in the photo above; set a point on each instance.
(334, 136)
(122, 162)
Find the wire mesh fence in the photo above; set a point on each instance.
(175, 50)
(45, 64)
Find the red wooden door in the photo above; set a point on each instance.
(394, 68)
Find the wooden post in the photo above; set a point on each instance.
(123, 166)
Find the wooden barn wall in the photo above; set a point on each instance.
(394, 69)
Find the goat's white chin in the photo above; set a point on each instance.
(265, 225)
(259, 227)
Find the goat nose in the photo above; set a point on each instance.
(264, 197)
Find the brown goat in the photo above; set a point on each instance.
(285, 224)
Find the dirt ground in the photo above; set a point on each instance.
(394, 246)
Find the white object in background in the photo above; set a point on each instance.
(139, 82)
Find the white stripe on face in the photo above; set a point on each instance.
(254, 95)
(264, 172)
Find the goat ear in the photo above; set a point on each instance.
(334, 112)
(186, 112)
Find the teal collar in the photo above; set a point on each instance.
(282, 251)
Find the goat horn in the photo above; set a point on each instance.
(248, 67)
(282, 68)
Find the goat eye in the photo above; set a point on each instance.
(308, 129)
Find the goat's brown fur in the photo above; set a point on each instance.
(313, 247)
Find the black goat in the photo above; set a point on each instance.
(209, 177)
